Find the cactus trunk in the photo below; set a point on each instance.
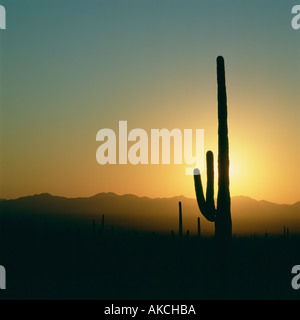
(223, 218)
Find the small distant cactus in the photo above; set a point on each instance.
(285, 233)
(102, 224)
(93, 227)
(199, 230)
(180, 221)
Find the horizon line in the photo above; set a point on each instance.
(138, 196)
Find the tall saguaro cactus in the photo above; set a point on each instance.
(221, 215)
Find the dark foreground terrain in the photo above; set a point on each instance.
(73, 262)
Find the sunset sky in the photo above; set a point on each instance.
(70, 68)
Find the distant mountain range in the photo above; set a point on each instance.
(159, 214)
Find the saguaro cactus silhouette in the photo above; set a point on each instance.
(102, 224)
(198, 226)
(221, 215)
(180, 221)
(93, 226)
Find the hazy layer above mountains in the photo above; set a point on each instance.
(141, 213)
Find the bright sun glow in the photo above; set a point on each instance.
(232, 170)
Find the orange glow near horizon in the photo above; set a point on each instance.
(256, 165)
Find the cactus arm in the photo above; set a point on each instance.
(207, 207)
(199, 193)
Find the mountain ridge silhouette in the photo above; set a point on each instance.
(152, 214)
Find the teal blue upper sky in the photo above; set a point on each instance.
(78, 47)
